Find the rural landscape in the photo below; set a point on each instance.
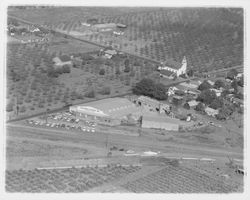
(124, 100)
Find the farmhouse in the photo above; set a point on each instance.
(174, 67)
(62, 60)
(109, 53)
(109, 111)
(211, 112)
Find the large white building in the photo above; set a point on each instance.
(109, 111)
(170, 68)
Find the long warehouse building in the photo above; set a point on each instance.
(109, 111)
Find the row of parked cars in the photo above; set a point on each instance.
(61, 125)
(69, 118)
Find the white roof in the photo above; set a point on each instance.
(211, 110)
(114, 107)
(88, 110)
(193, 103)
(189, 85)
(210, 82)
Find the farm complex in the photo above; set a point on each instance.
(123, 99)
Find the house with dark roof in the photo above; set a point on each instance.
(119, 25)
(169, 66)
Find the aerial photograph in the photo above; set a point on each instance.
(124, 100)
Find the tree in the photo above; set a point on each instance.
(22, 109)
(204, 86)
(102, 71)
(90, 94)
(234, 85)
(207, 96)
(224, 113)
(9, 107)
(239, 95)
(241, 82)
(144, 87)
(216, 103)
(190, 73)
(66, 69)
(219, 84)
(149, 88)
(160, 92)
(186, 106)
(200, 107)
(105, 91)
(127, 67)
(232, 73)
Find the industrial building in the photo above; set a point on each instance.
(153, 104)
(109, 111)
(159, 122)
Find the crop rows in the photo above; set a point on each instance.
(63, 180)
(165, 34)
(178, 180)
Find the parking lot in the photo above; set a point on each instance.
(63, 120)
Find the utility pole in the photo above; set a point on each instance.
(17, 107)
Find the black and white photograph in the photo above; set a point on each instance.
(124, 99)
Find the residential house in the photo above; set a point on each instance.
(109, 53)
(193, 103)
(217, 91)
(239, 102)
(118, 33)
(62, 60)
(211, 112)
(171, 90)
(210, 82)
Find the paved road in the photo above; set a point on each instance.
(143, 142)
